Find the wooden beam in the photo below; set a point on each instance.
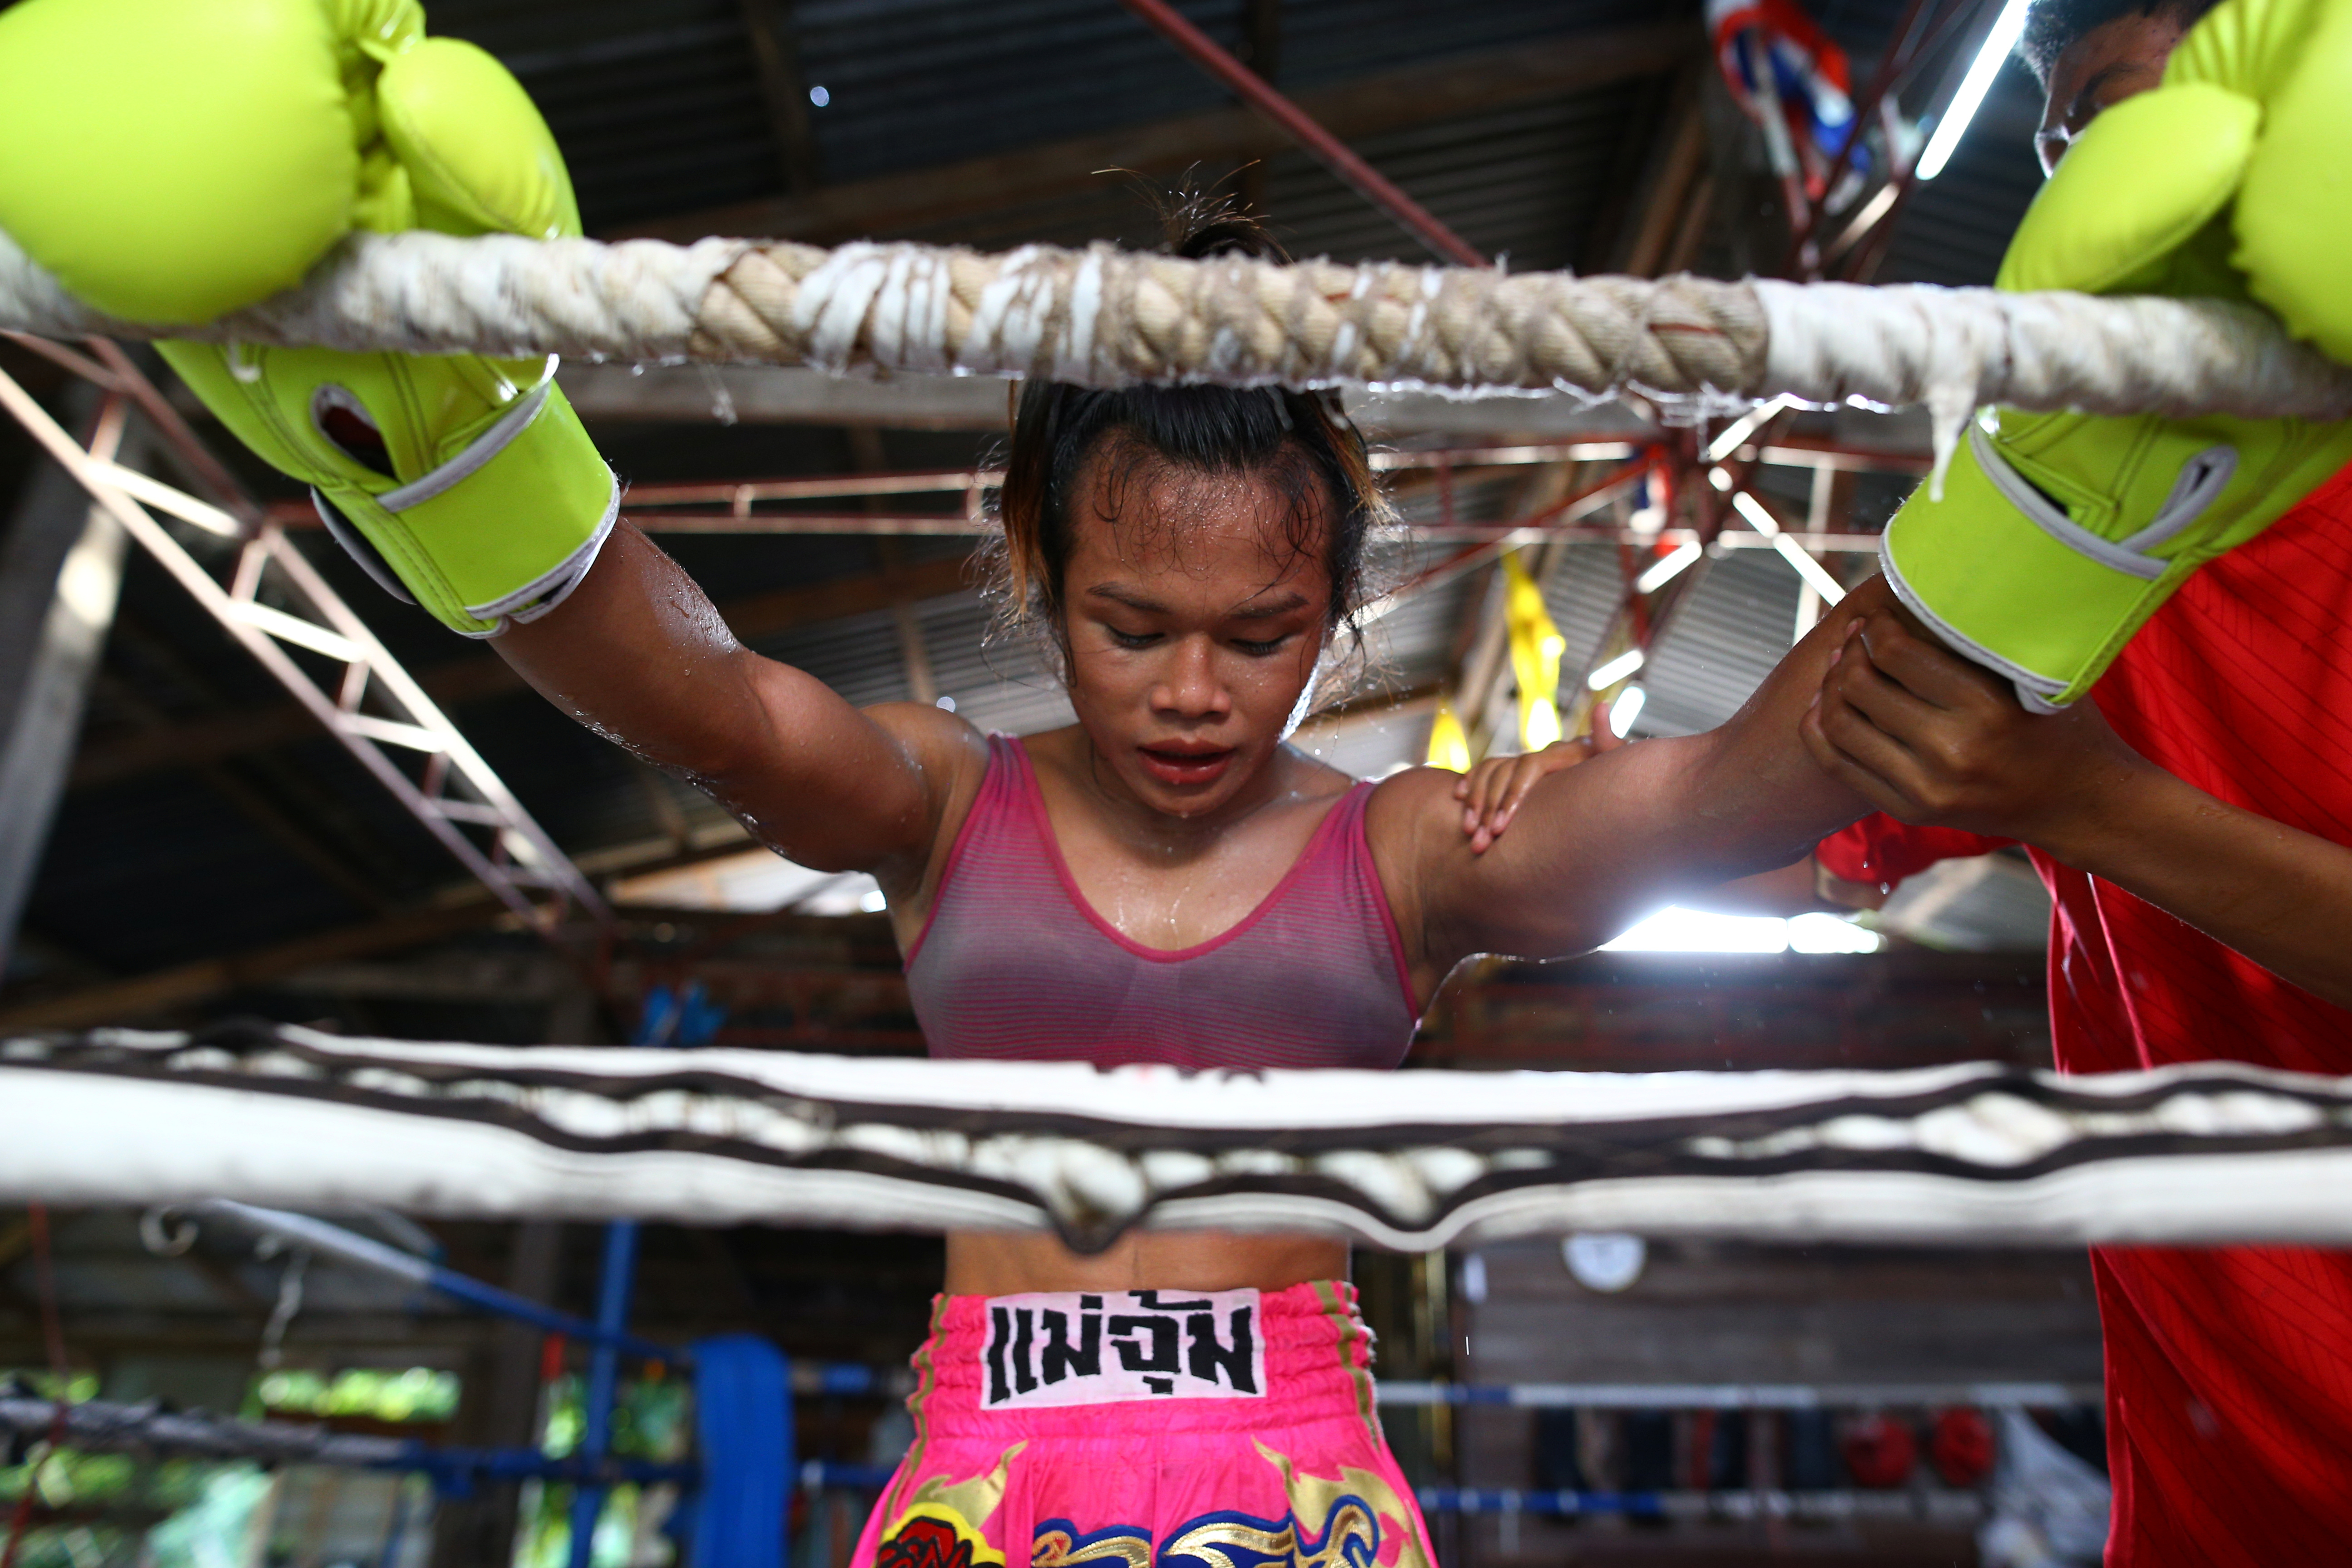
(612, 393)
(295, 835)
(1676, 160)
(315, 826)
(473, 678)
(1468, 84)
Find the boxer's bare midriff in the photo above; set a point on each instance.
(995, 1263)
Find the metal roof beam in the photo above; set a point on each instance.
(60, 576)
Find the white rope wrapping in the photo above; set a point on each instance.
(1104, 317)
(428, 293)
(1972, 1155)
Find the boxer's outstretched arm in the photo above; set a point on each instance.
(1593, 848)
(1930, 738)
(638, 655)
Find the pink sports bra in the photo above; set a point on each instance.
(1014, 964)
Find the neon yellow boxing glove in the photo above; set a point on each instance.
(2059, 534)
(169, 162)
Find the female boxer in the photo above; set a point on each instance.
(1165, 880)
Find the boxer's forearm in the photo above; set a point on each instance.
(640, 655)
(2280, 895)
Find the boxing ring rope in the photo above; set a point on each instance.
(1104, 317)
(1963, 1155)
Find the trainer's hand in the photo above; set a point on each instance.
(1492, 791)
(1930, 738)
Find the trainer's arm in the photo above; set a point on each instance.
(1930, 738)
(1595, 846)
(638, 655)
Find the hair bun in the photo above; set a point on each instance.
(1197, 224)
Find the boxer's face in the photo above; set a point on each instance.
(2101, 69)
(1196, 608)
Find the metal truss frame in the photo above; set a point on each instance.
(279, 609)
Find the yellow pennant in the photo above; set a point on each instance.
(1535, 647)
(1449, 743)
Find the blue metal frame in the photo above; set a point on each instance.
(679, 1018)
(614, 1286)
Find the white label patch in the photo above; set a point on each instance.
(1056, 1347)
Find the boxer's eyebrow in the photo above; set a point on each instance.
(1267, 611)
(1117, 595)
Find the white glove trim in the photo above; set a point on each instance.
(359, 548)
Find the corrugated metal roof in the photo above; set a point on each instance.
(1957, 225)
(1730, 629)
(661, 112)
(916, 82)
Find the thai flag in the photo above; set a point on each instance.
(1793, 81)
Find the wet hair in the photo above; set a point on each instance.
(2051, 26)
(1302, 442)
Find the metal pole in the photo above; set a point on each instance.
(1304, 128)
(673, 1018)
(603, 1375)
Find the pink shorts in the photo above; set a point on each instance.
(1149, 1429)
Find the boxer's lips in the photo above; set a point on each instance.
(1185, 762)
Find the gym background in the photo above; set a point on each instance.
(188, 844)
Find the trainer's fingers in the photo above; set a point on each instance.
(1869, 747)
(1480, 788)
(1466, 788)
(1503, 786)
(1817, 735)
(1813, 732)
(1524, 778)
(1924, 667)
(1889, 704)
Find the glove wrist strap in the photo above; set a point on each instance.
(502, 532)
(2202, 479)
